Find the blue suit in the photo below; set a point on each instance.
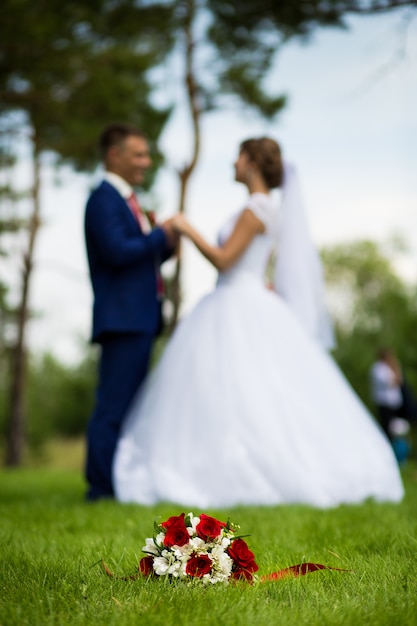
(126, 319)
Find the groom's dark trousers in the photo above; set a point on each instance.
(123, 264)
(123, 366)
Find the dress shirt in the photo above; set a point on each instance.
(119, 183)
(126, 191)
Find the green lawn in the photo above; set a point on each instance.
(51, 543)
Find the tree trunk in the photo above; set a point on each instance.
(191, 87)
(17, 417)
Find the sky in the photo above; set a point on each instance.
(350, 128)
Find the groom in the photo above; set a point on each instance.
(124, 255)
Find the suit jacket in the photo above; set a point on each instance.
(122, 264)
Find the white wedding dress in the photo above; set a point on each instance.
(245, 408)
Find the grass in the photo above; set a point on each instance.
(51, 543)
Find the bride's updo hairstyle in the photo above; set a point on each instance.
(266, 153)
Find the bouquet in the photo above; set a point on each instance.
(187, 547)
(204, 548)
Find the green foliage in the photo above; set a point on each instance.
(242, 81)
(52, 543)
(59, 399)
(244, 25)
(73, 67)
(373, 308)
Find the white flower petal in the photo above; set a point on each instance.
(150, 546)
(160, 566)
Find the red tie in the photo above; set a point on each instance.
(145, 228)
(138, 213)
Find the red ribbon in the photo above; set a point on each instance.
(299, 570)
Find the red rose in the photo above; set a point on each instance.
(242, 556)
(176, 536)
(198, 565)
(146, 566)
(175, 520)
(242, 574)
(209, 527)
(176, 531)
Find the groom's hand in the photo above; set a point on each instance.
(171, 234)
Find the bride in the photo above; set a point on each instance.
(245, 405)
